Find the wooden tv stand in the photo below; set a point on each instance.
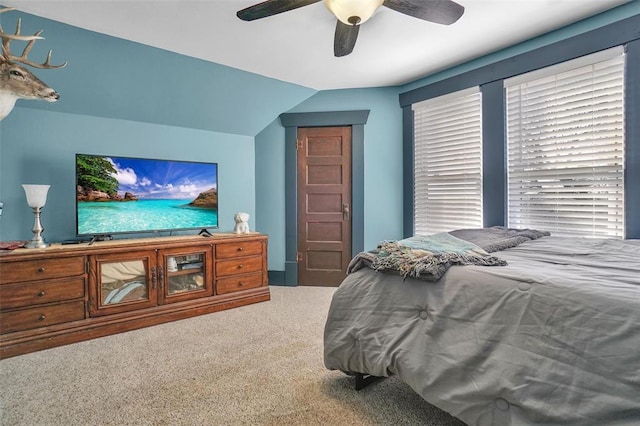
(68, 293)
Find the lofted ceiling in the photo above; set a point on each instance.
(297, 46)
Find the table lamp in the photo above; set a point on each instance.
(36, 198)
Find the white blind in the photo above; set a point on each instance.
(565, 143)
(448, 162)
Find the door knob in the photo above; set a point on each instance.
(346, 213)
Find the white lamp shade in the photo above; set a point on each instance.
(36, 194)
(345, 9)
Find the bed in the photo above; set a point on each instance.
(550, 337)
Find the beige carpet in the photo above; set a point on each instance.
(256, 365)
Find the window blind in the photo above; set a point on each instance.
(565, 147)
(448, 162)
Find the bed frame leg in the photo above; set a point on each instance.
(364, 380)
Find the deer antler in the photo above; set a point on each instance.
(6, 51)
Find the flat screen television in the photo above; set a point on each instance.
(117, 195)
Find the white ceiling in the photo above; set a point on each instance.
(297, 46)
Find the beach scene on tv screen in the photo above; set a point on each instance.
(118, 194)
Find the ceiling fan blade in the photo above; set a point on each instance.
(271, 7)
(345, 39)
(439, 11)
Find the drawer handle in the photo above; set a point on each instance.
(42, 318)
(41, 293)
(240, 266)
(41, 269)
(240, 248)
(241, 284)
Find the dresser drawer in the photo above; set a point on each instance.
(41, 316)
(229, 250)
(243, 265)
(238, 283)
(41, 269)
(39, 292)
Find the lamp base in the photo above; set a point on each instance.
(37, 241)
(37, 244)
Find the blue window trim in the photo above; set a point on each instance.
(490, 79)
(632, 140)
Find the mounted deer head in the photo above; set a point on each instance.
(17, 82)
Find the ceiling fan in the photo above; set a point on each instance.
(352, 13)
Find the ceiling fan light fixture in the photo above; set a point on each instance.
(353, 12)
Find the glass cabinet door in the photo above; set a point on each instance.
(186, 274)
(123, 282)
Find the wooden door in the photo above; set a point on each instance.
(324, 205)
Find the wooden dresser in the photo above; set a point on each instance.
(68, 293)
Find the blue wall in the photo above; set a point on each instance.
(382, 155)
(44, 153)
(382, 163)
(270, 196)
(123, 98)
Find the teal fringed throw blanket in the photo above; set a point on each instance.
(423, 257)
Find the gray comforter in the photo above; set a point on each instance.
(552, 338)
